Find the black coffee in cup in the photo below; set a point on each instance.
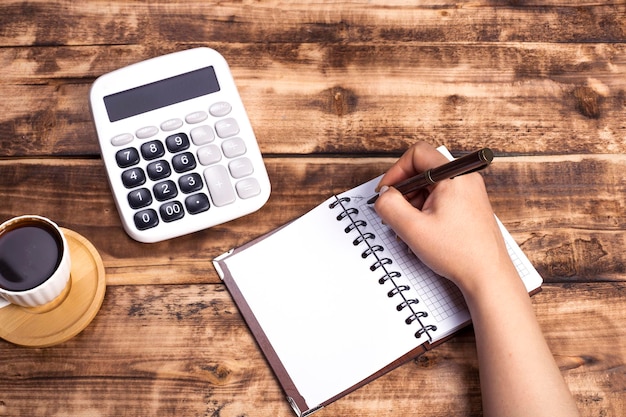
(30, 252)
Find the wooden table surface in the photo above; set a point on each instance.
(335, 91)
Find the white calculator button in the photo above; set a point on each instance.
(171, 124)
(220, 109)
(202, 134)
(233, 147)
(209, 154)
(241, 167)
(227, 128)
(123, 139)
(146, 132)
(218, 181)
(196, 117)
(248, 188)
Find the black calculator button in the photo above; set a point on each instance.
(197, 203)
(139, 198)
(158, 170)
(165, 190)
(127, 157)
(171, 211)
(133, 177)
(152, 150)
(184, 162)
(190, 183)
(176, 143)
(146, 219)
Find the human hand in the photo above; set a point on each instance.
(450, 226)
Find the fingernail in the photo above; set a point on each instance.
(383, 189)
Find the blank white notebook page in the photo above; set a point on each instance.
(325, 314)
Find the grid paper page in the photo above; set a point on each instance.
(529, 275)
(442, 298)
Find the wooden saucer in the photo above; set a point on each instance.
(73, 310)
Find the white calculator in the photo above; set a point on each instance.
(177, 145)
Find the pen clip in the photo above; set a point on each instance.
(485, 155)
(478, 168)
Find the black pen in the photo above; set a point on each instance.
(472, 162)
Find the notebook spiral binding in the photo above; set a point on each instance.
(382, 263)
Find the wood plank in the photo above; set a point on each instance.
(567, 213)
(184, 350)
(116, 22)
(356, 98)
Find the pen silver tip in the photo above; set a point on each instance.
(372, 199)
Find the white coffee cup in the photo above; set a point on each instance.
(34, 262)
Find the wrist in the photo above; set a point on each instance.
(499, 280)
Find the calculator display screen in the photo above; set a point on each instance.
(161, 93)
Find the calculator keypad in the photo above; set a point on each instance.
(183, 168)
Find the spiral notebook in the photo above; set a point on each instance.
(335, 300)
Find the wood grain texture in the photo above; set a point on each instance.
(517, 98)
(567, 213)
(348, 79)
(207, 363)
(336, 91)
(119, 22)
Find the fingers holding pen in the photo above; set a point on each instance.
(418, 158)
